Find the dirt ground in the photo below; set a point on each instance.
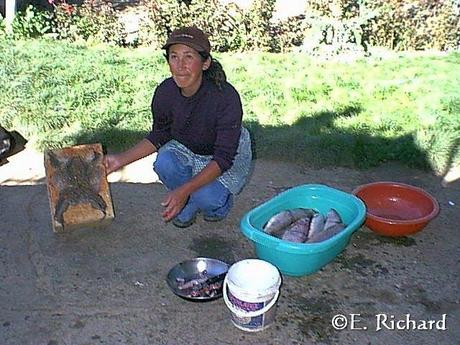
(107, 286)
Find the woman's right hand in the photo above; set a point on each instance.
(111, 163)
(174, 202)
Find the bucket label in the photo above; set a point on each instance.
(245, 306)
(251, 323)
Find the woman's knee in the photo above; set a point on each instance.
(170, 170)
(211, 196)
(165, 163)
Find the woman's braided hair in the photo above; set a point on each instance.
(215, 72)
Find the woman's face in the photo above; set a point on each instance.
(186, 66)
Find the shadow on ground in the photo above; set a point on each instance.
(315, 141)
(318, 142)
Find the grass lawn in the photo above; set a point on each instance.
(404, 108)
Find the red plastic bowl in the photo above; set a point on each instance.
(396, 209)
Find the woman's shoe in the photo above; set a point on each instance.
(213, 218)
(180, 224)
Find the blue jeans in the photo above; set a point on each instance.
(213, 199)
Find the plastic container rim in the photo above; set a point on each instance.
(426, 218)
(300, 247)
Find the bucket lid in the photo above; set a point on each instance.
(254, 275)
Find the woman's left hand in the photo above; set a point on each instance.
(174, 202)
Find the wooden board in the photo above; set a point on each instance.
(78, 190)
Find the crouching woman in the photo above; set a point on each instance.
(203, 152)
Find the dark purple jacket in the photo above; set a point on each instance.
(208, 123)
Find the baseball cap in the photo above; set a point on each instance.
(190, 36)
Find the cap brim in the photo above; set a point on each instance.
(189, 44)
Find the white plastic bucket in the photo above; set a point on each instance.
(250, 291)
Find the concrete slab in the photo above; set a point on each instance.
(107, 286)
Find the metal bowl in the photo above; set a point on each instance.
(192, 269)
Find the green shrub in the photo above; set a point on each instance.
(258, 25)
(229, 27)
(2, 27)
(100, 21)
(415, 24)
(221, 22)
(334, 8)
(394, 24)
(64, 20)
(287, 34)
(326, 27)
(93, 20)
(31, 23)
